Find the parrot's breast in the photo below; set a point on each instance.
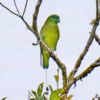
(50, 35)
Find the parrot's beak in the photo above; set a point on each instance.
(58, 20)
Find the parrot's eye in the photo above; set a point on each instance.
(53, 17)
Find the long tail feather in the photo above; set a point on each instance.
(41, 60)
(46, 80)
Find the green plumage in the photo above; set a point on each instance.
(50, 35)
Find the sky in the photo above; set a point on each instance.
(20, 69)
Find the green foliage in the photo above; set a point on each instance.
(56, 77)
(51, 89)
(38, 95)
(55, 95)
(39, 90)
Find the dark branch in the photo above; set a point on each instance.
(16, 7)
(25, 8)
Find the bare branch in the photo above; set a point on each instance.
(35, 15)
(25, 8)
(89, 42)
(88, 70)
(9, 9)
(97, 10)
(84, 73)
(28, 26)
(16, 7)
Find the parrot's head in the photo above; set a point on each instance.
(53, 18)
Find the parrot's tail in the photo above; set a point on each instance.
(45, 66)
(45, 61)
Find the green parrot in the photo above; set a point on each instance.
(49, 34)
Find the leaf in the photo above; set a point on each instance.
(32, 99)
(60, 91)
(70, 96)
(56, 78)
(51, 89)
(40, 89)
(4, 98)
(33, 92)
(55, 95)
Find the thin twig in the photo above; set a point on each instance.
(9, 9)
(28, 26)
(25, 8)
(16, 7)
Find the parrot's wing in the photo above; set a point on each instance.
(43, 37)
(43, 32)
